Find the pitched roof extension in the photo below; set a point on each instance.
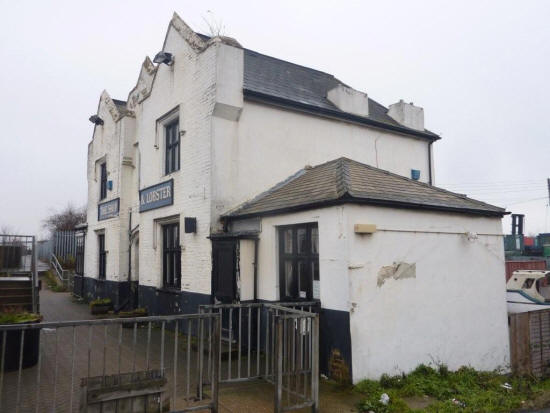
(346, 181)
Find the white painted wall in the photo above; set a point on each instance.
(111, 143)
(453, 311)
(187, 84)
(269, 144)
(332, 255)
(246, 269)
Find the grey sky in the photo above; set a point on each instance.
(479, 68)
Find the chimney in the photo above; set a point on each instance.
(407, 115)
(349, 100)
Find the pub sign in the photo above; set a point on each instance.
(108, 209)
(156, 196)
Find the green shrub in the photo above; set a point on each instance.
(100, 301)
(17, 316)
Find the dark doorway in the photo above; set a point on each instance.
(224, 281)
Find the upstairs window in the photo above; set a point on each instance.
(171, 132)
(299, 262)
(171, 256)
(103, 182)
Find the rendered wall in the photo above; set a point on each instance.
(445, 304)
(268, 144)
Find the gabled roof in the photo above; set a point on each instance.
(346, 181)
(298, 87)
(275, 81)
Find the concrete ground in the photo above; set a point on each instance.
(103, 349)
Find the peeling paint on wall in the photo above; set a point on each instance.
(397, 271)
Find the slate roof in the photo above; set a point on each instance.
(296, 87)
(346, 181)
(301, 87)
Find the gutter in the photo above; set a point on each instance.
(334, 114)
(347, 199)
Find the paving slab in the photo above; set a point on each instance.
(108, 350)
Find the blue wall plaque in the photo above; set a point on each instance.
(108, 209)
(156, 196)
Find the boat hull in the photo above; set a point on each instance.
(520, 302)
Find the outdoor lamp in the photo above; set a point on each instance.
(164, 57)
(96, 120)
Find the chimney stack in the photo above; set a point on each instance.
(349, 100)
(407, 114)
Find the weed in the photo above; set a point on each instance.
(465, 390)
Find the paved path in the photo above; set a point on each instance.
(99, 350)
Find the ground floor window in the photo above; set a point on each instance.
(299, 262)
(171, 256)
(79, 259)
(102, 257)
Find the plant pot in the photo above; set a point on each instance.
(100, 309)
(31, 348)
(132, 314)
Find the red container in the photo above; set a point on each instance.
(512, 266)
(528, 241)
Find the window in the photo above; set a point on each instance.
(171, 132)
(171, 256)
(79, 259)
(299, 262)
(103, 187)
(102, 257)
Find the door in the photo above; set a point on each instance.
(224, 280)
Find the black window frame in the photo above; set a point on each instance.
(171, 256)
(172, 147)
(103, 181)
(306, 258)
(102, 273)
(80, 241)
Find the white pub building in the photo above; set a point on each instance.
(228, 175)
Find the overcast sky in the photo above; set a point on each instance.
(480, 70)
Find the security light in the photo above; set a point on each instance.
(96, 120)
(164, 57)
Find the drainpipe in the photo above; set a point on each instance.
(430, 163)
(130, 258)
(256, 269)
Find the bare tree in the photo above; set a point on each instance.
(215, 26)
(66, 219)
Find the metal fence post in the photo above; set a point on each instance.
(278, 353)
(216, 351)
(34, 278)
(315, 365)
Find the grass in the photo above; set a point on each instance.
(53, 284)
(465, 391)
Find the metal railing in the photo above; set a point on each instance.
(164, 361)
(61, 273)
(276, 342)
(18, 264)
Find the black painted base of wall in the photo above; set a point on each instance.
(90, 289)
(163, 302)
(334, 334)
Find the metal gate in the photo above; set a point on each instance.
(278, 343)
(120, 365)
(18, 273)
